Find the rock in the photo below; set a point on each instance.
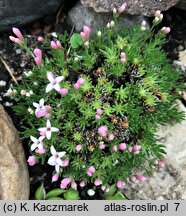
(80, 15)
(134, 7)
(169, 182)
(14, 178)
(16, 13)
(182, 5)
(181, 62)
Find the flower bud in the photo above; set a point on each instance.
(65, 163)
(115, 148)
(111, 137)
(82, 184)
(55, 177)
(17, 32)
(31, 160)
(97, 182)
(63, 91)
(120, 184)
(65, 182)
(80, 81)
(122, 146)
(78, 148)
(76, 86)
(74, 185)
(41, 39)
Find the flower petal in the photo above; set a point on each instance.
(59, 161)
(61, 154)
(42, 129)
(48, 134)
(33, 139)
(54, 129)
(52, 150)
(57, 168)
(49, 87)
(36, 105)
(57, 87)
(33, 146)
(50, 76)
(41, 102)
(48, 124)
(41, 138)
(52, 161)
(59, 79)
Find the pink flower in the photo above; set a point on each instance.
(122, 146)
(41, 39)
(74, 185)
(103, 131)
(80, 81)
(141, 178)
(82, 184)
(55, 44)
(76, 86)
(111, 137)
(65, 163)
(55, 177)
(122, 8)
(97, 182)
(65, 182)
(63, 91)
(41, 110)
(78, 148)
(133, 178)
(38, 56)
(120, 184)
(166, 30)
(115, 148)
(54, 82)
(31, 160)
(99, 111)
(161, 164)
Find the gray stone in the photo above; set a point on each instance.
(182, 5)
(80, 15)
(134, 7)
(181, 62)
(14, 178)
(170, 182)
(16, 13)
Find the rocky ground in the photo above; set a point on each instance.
(166, 184)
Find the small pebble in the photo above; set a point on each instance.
(91, 192)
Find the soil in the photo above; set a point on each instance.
(18, 62)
